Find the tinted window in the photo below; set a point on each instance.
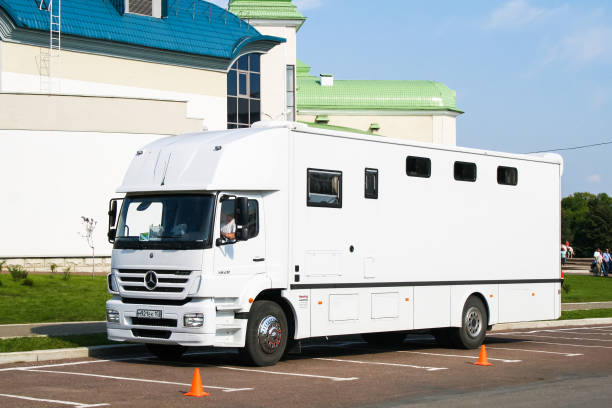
(254, 62)
(228, 225)
(253, 218)
(507, 175)
(231, 83)
(418, 166)
(371, 183)
(244, 82)
(324, 188)
(465, 171)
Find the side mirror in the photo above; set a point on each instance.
(241, 211)
(242, 234)
(112, 220)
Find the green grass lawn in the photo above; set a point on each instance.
(52, 299)
(81, 298)
(47, 343)
(585, 314)
(587, 288)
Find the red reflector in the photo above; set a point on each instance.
(562, 274)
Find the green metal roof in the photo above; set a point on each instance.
(339, 128)
(371, 95)
(302, 68)
(266, 10)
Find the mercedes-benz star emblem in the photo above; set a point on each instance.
(150, 280)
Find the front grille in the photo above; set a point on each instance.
(139, 321)
(168, 302)
(157, 289)
(154, 334)
(168, 281)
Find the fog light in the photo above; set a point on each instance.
(112, 316)
(193, 320)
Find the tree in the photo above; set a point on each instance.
(586, 222)
(89, 225)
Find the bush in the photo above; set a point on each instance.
(53, 267)
(17, 272)
(67, 273)
(27, 282)
(2, 263)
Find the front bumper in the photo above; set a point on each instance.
(131, 329)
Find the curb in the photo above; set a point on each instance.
(552, 323)
(66, 353)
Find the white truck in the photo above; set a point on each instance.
(257, 238)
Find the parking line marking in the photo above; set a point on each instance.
(381, 363)
(583, 333)
(290, 374)
(537, 351)
(459, 356)
(603, 329)
(225, 389)
(566, 344)
(74, 404)
(564, 338)
(71, 364)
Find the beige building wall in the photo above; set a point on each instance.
(94, 114)
(97, 75)
(25, 59)
(273, 68)
(422, 128)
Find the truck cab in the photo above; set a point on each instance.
(189, 262)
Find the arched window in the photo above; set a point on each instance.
(244, 92)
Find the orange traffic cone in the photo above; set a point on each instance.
(482, 358)
(196, 386)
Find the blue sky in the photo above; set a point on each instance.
(530, 75)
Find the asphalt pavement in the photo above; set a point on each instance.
(545, 367)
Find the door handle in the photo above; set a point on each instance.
(259, 259)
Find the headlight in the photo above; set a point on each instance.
(112, 316)
(193, 320)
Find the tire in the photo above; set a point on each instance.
(166, 352)
(384, 339)
(267, 334)
(474, 321)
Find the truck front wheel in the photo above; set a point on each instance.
(267, 334)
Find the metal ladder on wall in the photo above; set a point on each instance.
(50, 62)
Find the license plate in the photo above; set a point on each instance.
(149, 314)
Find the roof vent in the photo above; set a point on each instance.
(327, 80)
(151, 8)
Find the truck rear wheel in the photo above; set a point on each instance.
(166, 352)
(474, 321)
(267, 334)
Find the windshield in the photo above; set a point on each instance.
(178, 221)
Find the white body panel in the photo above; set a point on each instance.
(418, 251)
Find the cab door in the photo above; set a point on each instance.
(235, 258)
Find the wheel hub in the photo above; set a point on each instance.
(473, 322)
(270, 334)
